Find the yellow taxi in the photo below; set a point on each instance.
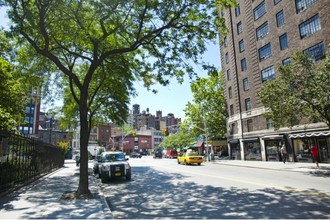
(190, 157)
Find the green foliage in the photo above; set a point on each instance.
(178, 140)
(300, 91)
(11, 96)
(208, 107)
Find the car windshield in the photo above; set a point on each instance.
(114, 157)
(192, 154)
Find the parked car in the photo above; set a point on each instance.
(172, 154)
(190, 157)
(158, 154)
(135, 155)
(113, 165)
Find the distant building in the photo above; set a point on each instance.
(30, 126)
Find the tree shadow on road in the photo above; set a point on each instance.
(153, 194)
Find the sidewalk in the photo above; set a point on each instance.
(44, 199)
(277, 165)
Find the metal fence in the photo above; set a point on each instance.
(23, 159)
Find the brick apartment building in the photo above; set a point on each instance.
(263, 34)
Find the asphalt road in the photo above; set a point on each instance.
(161, 188)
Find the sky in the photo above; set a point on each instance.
(174, 97)
(170, 99)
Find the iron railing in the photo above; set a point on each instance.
(23, 159)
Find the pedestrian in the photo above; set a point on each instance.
(284, 153)
(77, 158)
(315, 155)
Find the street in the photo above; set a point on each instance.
(161, 188)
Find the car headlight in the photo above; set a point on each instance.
(106, 168)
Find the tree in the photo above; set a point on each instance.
(11, 92)
(301, 91)
(178, 140)
(100, 47)
(207, 110)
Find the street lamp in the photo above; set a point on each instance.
(51, 121)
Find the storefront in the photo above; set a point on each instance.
(235, 151)
(272, 146)
(252, 149)
(302, 143)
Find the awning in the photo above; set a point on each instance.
(310, 134)
(273, 137)
(250, 139)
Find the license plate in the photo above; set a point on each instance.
(117, 174)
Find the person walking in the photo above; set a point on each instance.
(77, 159)
(315, 155)
(284, 153)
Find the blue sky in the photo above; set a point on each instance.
(174, 97)
(170, 99)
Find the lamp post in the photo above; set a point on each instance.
(51, 121)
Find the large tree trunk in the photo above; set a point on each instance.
(83, 189)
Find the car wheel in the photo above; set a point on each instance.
(199, 163)
(103, 178)
(128, 176)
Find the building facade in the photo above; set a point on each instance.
(264, 34)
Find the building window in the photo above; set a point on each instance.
(316, 52)
(310, 26)
(269, 122)
(225, 41)
(302, 5)
(286, 61)
(237, 10)
(247, 104)
(228, 75)
(249, 125)
(241, 46)
(243, 65)
(227, 58)
(265, 51)
(283, 41)
(267, 74)
(230, 92)
(259, 11)
(280, 20)
(232, 128)
(231, 110)
(262, 31)
(246, 84)
(276, 2)
(239, 27)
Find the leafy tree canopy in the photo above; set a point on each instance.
(301, 91)
(178, 140)
(11, 92)
(207, 112)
